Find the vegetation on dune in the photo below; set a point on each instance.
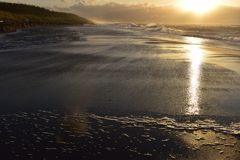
(17, 14)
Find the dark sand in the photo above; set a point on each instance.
(120, 97)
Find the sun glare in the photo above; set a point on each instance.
(198, 6)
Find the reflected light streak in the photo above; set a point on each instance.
(195, 55)
(193, 40)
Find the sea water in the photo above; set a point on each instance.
(53, 133)
(219, 36)
(223, 37)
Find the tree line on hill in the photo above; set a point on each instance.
(14, 16)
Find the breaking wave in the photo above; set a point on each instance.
(230, 33)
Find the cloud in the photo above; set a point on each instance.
(113, 11)
(67, 0)
(149, 13)
(86, 2)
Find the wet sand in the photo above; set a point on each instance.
(120, 95)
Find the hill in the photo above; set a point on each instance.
(14, 16)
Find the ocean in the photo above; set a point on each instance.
(220, 36)
(120, 91)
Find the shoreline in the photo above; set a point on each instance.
(6, 27)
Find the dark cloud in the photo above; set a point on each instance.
(148, 13)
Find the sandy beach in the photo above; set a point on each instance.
(120, 94)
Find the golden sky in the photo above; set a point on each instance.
(148, 11)
(67, 3)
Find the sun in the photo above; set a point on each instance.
(198, 6)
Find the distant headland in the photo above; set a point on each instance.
(15, 16)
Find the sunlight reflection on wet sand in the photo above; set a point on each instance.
(196, 57)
